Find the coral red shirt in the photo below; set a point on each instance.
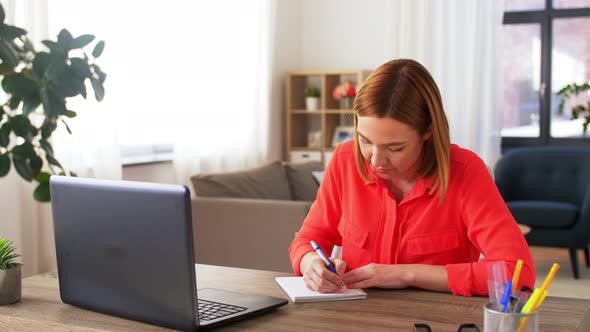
(365, 219)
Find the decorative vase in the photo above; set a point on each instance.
(312, 103)
(346, 103)
(10, 285)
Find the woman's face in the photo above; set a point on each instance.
(393, 147)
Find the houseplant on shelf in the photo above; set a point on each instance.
(345, 92)
(312, 98)
(10, 273)
(37, 85)
(581, 110)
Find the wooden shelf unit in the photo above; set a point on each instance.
(301, 122)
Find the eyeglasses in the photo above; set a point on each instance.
(467, 327)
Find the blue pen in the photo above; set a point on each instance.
(505, 302)
(323, 256)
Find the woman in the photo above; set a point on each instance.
(408, 208)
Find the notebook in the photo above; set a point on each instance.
(298, 292)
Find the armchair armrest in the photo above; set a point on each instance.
(247, 233)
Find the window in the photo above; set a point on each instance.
(171, 62)
(546, 47)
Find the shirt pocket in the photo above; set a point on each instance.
(433, 247)
(355, 245)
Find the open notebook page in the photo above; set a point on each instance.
(298, 292)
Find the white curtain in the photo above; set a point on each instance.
(223, 114)
(460, 42)
(90, 151)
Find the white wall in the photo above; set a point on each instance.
(346, 34)
(287, 56)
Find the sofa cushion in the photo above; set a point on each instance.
(301, 181)
(265, 182)
(544, 214)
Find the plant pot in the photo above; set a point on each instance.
(312, 103)
(10, 285)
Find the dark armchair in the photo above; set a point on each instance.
(548, 189)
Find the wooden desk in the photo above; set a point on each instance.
(390, 310)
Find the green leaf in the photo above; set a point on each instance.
(2, 112)
(40, 64)
(53, 46)
(81, 67)
(100, 74)
(24, 151)
(55, 68)
(70, 114)
(5, 68)
(34, 131)
(36, 164)
(69, 83)
(2, 14)
(10, 32)
(98, 49)
(21, 126)
(81, 41)
(20, 86)
(4, 165)
(14, 102)
(65, 39)
(42, 193)
(48, 126)
(98, 89)
(23, 168)
(52, 104)
(28, 45)
(83, 91)
(52, 160)
(67, 127)
(42, 177)
(5, 134)
(30, 105)
(8, 54)
(46, 146)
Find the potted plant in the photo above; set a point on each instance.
(580, 110)
(312, 98)
(10, 273)
(345, 92)
(36, 87)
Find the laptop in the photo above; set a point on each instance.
(126, 249)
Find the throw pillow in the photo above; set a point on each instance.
(301, 181)
(265, 182)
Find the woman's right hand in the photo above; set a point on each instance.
(316, 275)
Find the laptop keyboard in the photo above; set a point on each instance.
(209, 310)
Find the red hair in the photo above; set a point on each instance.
(404, 90)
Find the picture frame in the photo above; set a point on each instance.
(342, 134)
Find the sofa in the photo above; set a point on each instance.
(248, 219)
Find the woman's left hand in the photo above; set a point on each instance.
(378, 275)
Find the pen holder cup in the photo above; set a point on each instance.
(494, 321)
